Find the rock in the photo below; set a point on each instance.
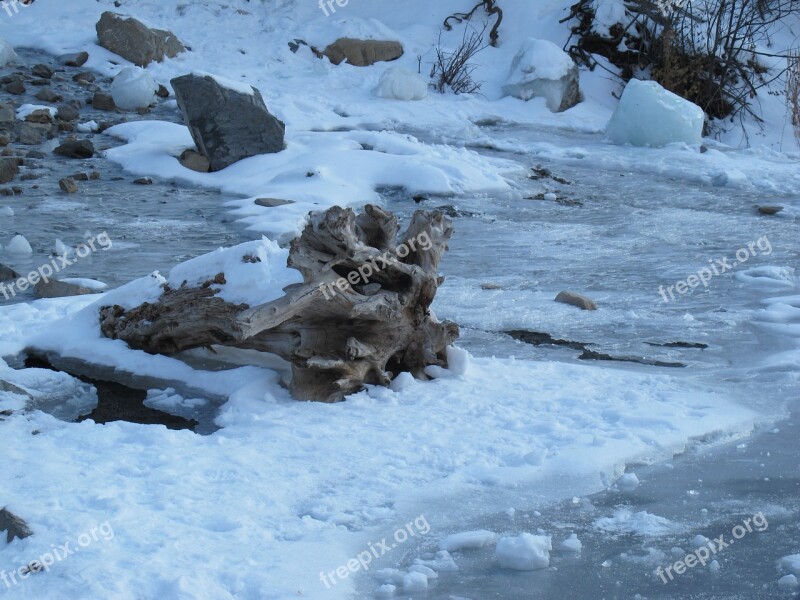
(74, 60)
(397, 83)
(42, 71)
(4, 140)
(131, 39)
(68, 185)
(769, 210)
(85, 78)
(7, 114)
(162, 92)
(491, 286)
(48, 95)
(67, 112)
(576, 300)
(41, 116)
(37, 154)
(191, 159)
(76, 149)
(7, 273)
(543, 70)
(9, 167)
(133, 88)
(228, 122)
(143, 181)
(32, 134)
(91, 175)
(14, 526)
(16, 87)
(103, 102)
(363, 53)
(272, 202)
(649, 115)
(60, 289)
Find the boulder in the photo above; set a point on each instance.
(74, 60)
(7, 273)
(191, 159)
(649, 115)
(363, 53)
(42, 70)
(68, 185)
(576, 300)
(16, 87)
(14, 526)
(76, 149)
(7, 114)
(9, 167)
(228, 121)
(32, 134)
(543, 70)
(54, 288)
(67, 112)
(133, 40)
(48, 95)
(102, 101)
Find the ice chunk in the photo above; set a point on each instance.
(7, 54)
(415, 582)
(640, 523)
(401, 84)
(543, 70)
(628, 482)
(649, 115)
(791, 564)
(6, 211)
(468, 540)
(133, 88)
(19, 245)
(788, 582)
(572, 543)
(525, 552)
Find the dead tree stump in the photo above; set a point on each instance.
(361, 316)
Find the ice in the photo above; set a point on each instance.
(26, 109)
(628, 482)
(133, 88)
(387, 590)
(640, 523)
(791, 564)
(7, 54)
(788, 582)
(61, 249)
(415, 582)
(572, 543)
(19, 245)
(468, 540)
(649, 115)
(540, 69)
(88, 127)
(6, 211)
(398, 83)
(525, 552)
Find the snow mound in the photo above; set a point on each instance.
(468, 540)
(7, 54)
(133, 88)
(525, 552)
(649, 115)
(542, 69)
(397, 83)
(640, 523)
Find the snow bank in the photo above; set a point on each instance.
(133, 88)
(401, 84)
(525, 552)
(649, 115)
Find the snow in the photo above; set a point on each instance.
(6, 211)
(26, 109)
(788, 582)
(237, 86)
(19, 245)
(525, 552)
(133, 88)
(398, 83)
(628, 482)
(537, 71)
(649, 115)
(89, 284)
(571, 544)
(88, 127)
(468, 540)
(641, 523)
(7, 54)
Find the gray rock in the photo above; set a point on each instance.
(48, 95)
(7, 273)
(363, 53)
(68, 185)
(32, 134)
(7, 114)
(770, 210)
(41, 116)
(74, 60)
(42, 71)
(576, 300)
(67, 112)
(103, 102)
(4, 140)
(143, 181)
(14, 526)
(60, 289)
(76, 149)
(227, 125)
(85, 78)
(16, 87)
(191, 159)
(9, 167)
(272, 202)
(133, 40)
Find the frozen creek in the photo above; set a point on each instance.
(617, 231)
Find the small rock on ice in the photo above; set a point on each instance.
(133, 88)
(19, 245)
(397, 83)
(525, 552)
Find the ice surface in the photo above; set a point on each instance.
(525, 552)
(398, 83)
(649, 115)
(133, 88)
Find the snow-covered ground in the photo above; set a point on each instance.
(287, 490)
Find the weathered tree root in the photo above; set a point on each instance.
(491, 9)
(339, 329)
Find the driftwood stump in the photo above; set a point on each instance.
(361, 316)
